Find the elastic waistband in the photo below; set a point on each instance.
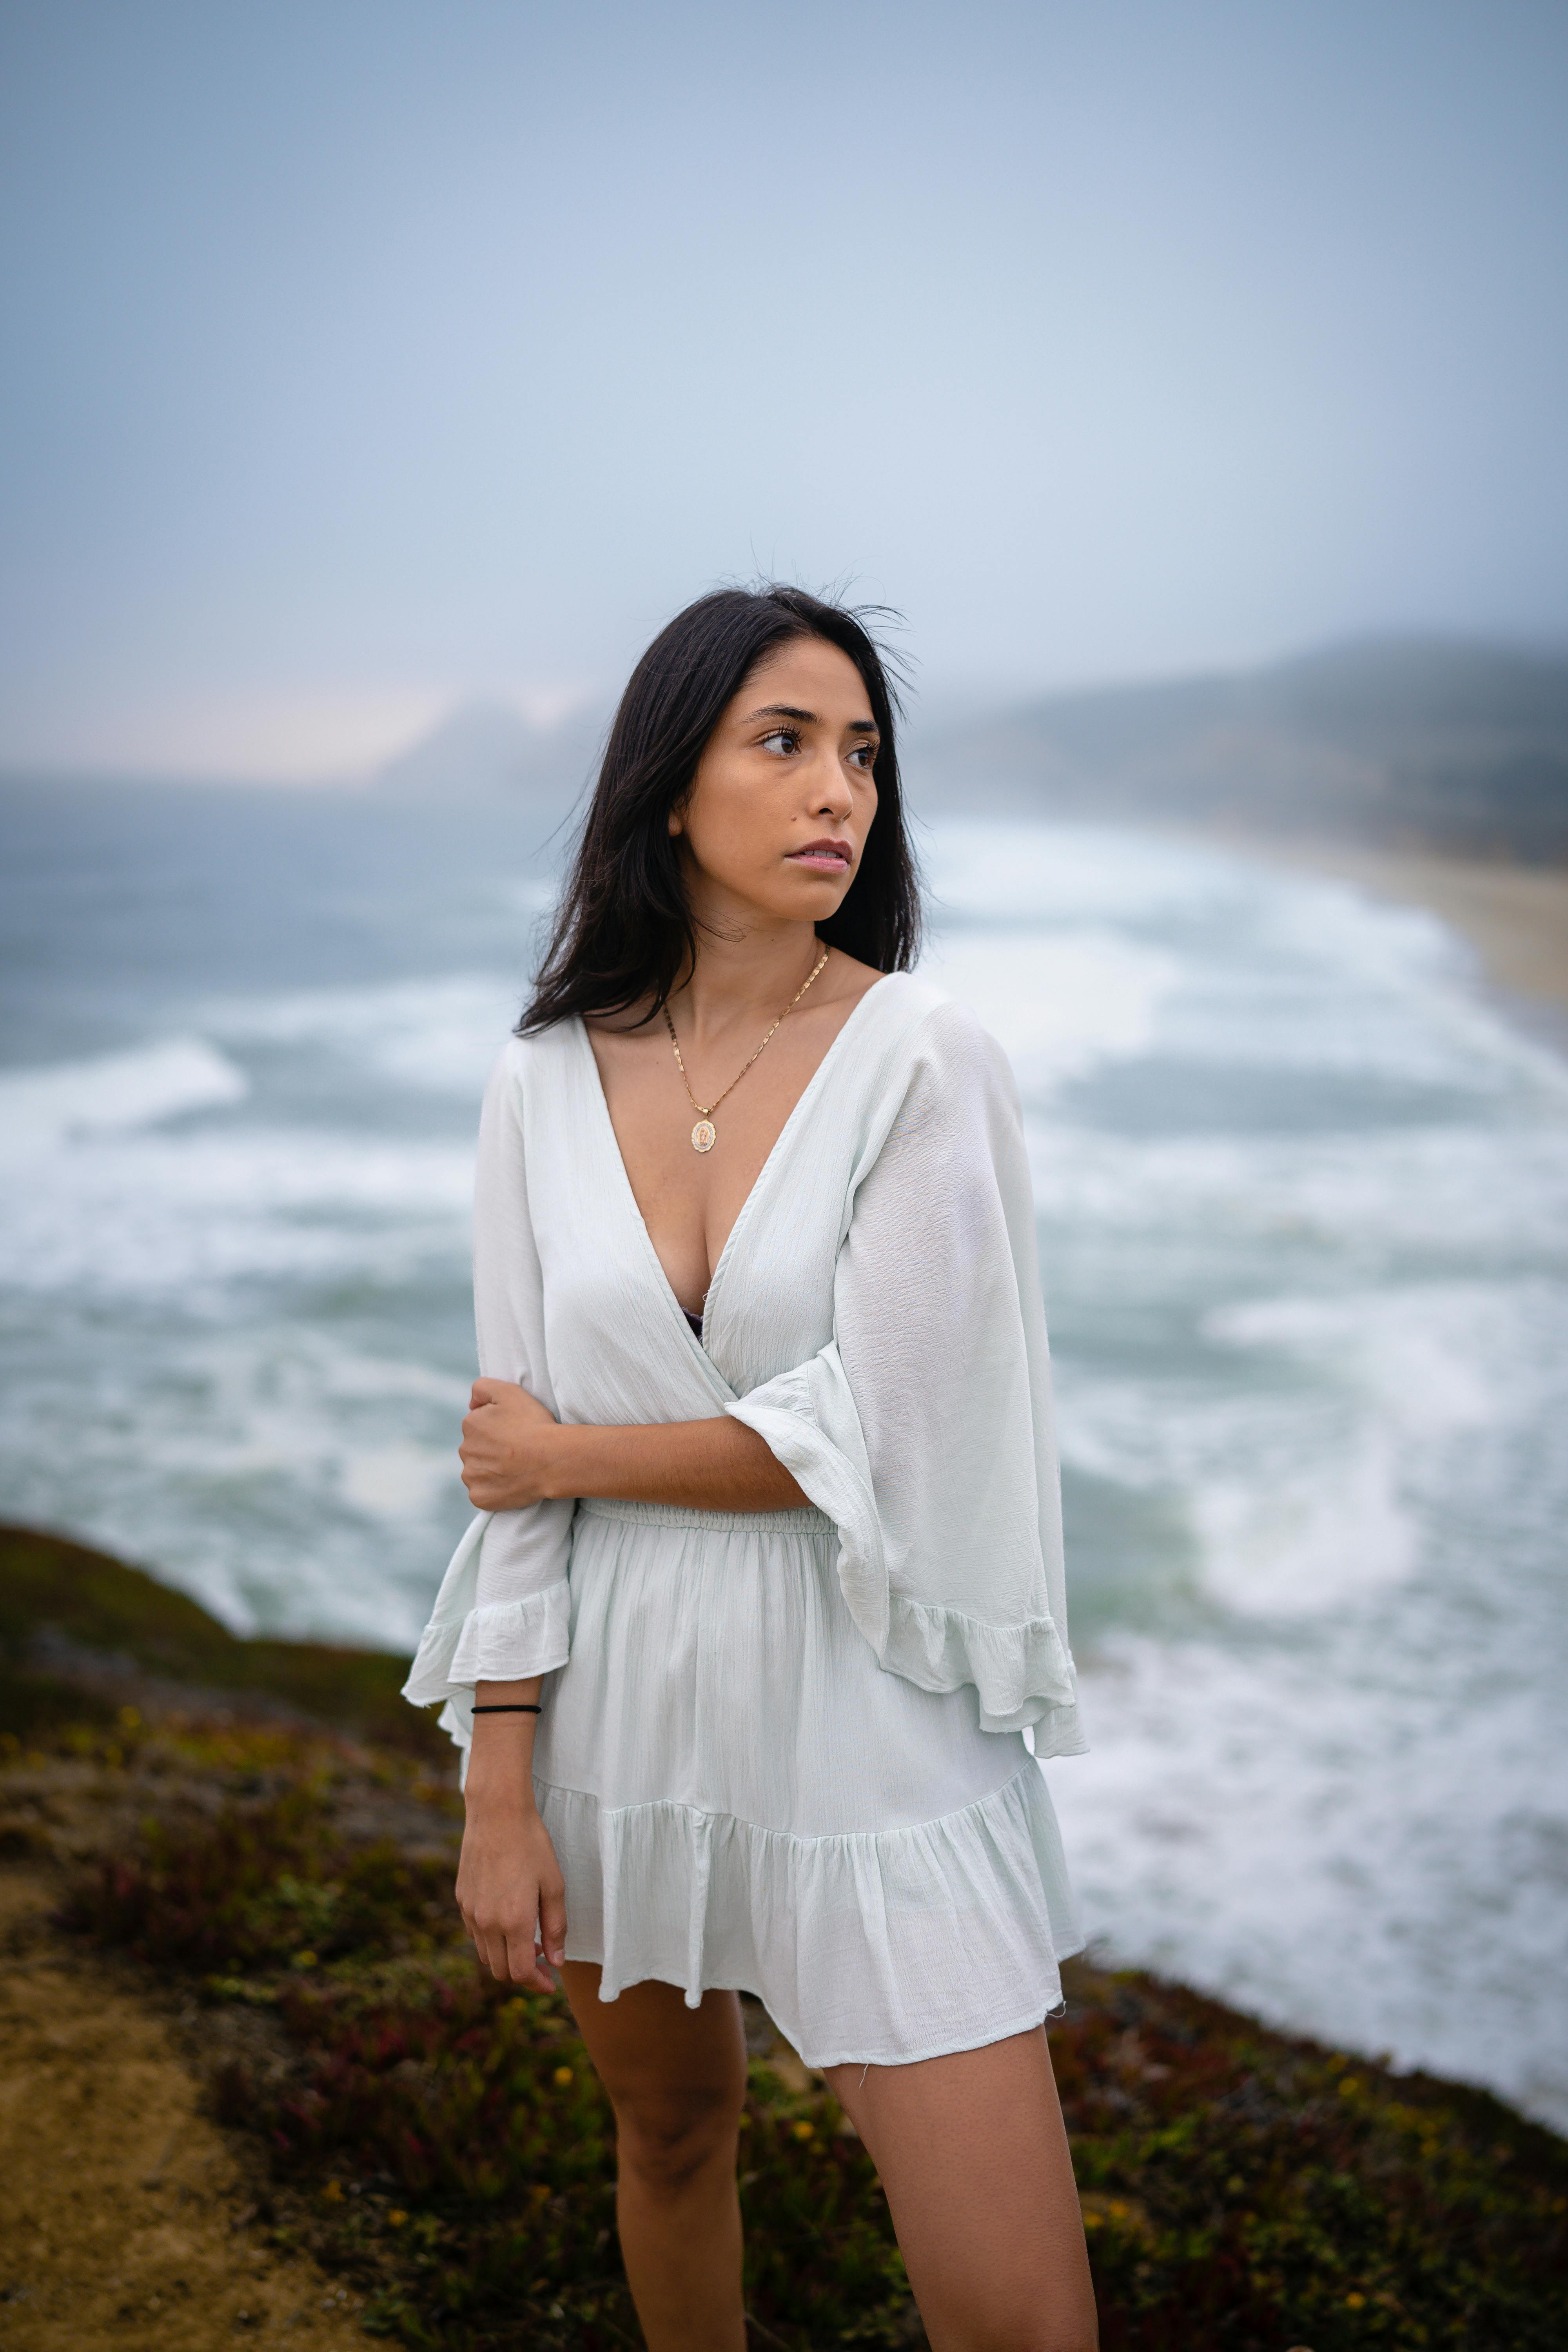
(806, 1521)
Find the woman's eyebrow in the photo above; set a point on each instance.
(808, 717)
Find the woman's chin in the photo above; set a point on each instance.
(782, 893)
(809, 896)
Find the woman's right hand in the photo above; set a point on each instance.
(509, 1442)
(509, 1889)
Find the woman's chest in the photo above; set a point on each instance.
(613, 1302)
(693, 1143)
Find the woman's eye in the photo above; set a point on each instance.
(865, 754)
(782, 738)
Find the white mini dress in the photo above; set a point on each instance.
(784, 1751)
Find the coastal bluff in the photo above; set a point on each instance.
(255, 2082)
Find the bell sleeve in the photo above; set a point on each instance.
(925, 1429)
(502, 1614)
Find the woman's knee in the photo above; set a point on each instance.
(668, 2138)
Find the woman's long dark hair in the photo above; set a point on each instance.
(623, 930)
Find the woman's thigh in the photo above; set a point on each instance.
(673, 2074)
(974, 2156)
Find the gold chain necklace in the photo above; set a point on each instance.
(705, 1135)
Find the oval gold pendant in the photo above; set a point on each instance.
(704, 1135)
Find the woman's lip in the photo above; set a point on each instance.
(831, 861)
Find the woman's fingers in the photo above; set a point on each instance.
(493, 1452)
(526, 1965)
(480, 1442)
(508, 1404)
(512, 1952)
(552, 1923)
(497, 1951)
(512, 1901)
(483, 1463)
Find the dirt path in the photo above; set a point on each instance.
(122, 2211)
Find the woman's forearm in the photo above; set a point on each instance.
(718, 1465)
(515, 1453)
(500, 1762)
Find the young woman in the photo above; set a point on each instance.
(767, 1585)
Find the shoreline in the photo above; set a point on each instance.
(1514, 918)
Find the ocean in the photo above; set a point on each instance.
(1303, 1207)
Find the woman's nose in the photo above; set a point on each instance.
(833, 796)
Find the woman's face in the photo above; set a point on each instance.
(783, 796)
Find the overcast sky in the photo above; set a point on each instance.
(360, 355)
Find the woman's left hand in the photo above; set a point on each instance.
(507, 1437)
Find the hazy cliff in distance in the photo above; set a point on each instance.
(484, 749)
(1407, 741)
(1402, 742)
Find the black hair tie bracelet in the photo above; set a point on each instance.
(509, 1710)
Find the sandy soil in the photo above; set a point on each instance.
(1515, 917)
(123, 2214)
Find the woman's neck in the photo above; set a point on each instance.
(744, 967)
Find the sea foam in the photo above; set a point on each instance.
(42, 1108)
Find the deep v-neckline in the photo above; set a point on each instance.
(744, 1210)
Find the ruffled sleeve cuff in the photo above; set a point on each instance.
(506, 1642)
(1022, 1673)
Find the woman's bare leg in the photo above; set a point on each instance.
(676, 2077)
(974, 2158)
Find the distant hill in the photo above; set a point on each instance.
(482, 749)
(1412, 740)
(477, 751)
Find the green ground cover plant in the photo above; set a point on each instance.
(75, 1623)
(442, 2143)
